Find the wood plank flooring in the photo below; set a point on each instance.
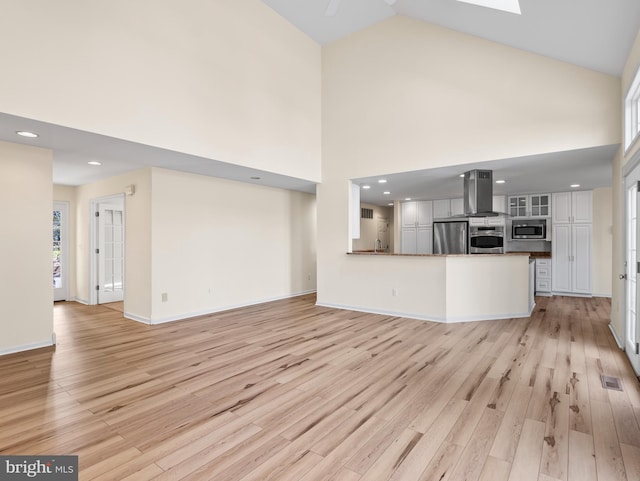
(290, 391)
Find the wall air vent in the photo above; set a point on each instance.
(366, 213)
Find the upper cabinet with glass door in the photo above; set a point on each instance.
(530, 205)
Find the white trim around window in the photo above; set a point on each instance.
(632, 112)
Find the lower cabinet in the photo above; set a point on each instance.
(543, 277)
(417, 240)
(571, 259)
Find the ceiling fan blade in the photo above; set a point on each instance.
(332, 8)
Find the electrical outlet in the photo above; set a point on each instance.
(165, 297)
(309, 277)
(394, 291)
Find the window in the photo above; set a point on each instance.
(632, 112)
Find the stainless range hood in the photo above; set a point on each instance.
(478, 194)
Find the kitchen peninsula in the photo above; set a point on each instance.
(447, 287)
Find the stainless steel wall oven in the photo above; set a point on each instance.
(486, 239)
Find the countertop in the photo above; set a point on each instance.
(391, 254)
(535, 255)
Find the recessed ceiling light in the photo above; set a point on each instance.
(390, 203)
(366, 186)
(25, 133)
(386, 192)
(382, 181)
(573, 186)
(94, 162)
(254, 178)
(511, 6)
(461, 175)
(500, 181)
(408, 198)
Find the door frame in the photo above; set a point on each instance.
(63, 206)
(628, 169)
(94, 278)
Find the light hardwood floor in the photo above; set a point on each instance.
(290, 391)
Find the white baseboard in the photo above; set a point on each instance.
(134, 317)
(615, 336)
(570, 294)
(602, 295)
(26, 347)
(80, 301)
(421, 317)
(218, 309)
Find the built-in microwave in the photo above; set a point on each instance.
(529, 229)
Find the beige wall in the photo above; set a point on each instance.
(67, 193)
(26, 291)
(218, 244)
(602, 238)
(229, 80)
(137, 297)
(369, 228)
(405, 95)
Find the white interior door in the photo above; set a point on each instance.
(60, 251)
(631, 256)
(110, 253)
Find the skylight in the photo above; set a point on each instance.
(511, 6)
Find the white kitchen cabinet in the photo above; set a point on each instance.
(581, 260)
(518, 205)
(417, 227)
(409, 242)
(530, 205)
(572, 207)
(417, 213)
(417, 240)
(424, 240)
(540, 205)
(424, 210)
(409, 212)
(441, 208)
(543, 277)
(355, 211)
(497, 220)
(571, 259)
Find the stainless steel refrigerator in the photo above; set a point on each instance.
(451, 237)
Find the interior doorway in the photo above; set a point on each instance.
(632, 237)
(108, 247)
(60, 251)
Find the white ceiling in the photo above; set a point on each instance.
(596, 34)
(554, 172)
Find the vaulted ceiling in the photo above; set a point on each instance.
(595, 34)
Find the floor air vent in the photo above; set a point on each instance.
(609, 382)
